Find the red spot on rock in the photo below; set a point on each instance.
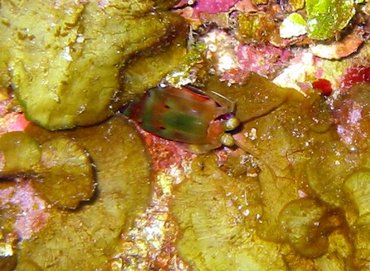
(324, 86)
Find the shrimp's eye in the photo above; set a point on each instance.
(227, 140)
(231, 124)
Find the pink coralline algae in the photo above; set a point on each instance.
(31, 210)
(264, 60)
(13, 122)
(214, 6)
(350, 119)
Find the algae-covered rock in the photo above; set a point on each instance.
(217, 216)
(65, 56)
(60, 169)
(87, 238)
(20, 154)
(326, 18)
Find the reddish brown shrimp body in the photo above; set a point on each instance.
(187, 115)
